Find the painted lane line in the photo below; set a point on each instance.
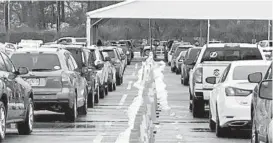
(129, 85)
(98, 138)
(122, 100)
(136, 66)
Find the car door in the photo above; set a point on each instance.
(80, 82)
(15, 97)
(263, 112)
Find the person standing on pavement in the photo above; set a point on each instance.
(144, 43)
(99, 43)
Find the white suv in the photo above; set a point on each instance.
(212, 61)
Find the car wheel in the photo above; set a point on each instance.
(2, 121)
(102, 93)
(110, 86)
(106, 89)
(172, 69)
(254, 137)
(84, 108)
(212, 124)
(118, 80)
(25, 128)
(185, 81)
(128, 62)
(190, 104)
(97, 96)
(182, 77)
(91, 99)
(197, 108)
(219, 130)
(177, 71)
(121, 79)
(72, 113)
(114, 86)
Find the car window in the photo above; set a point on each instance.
(179, 50)
(86, 57)
(80, 40)
(92, 57)
(74, 62)
(117, 53)
(77, 55)
(111, 53)
(36, 61)
(224, 75)
(268, 75)
(231, 54)
(193, 53)
(242, 72)
(2, 65)
(9, 64)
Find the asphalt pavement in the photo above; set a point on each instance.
(178, 125)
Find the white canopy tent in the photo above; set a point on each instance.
(153, 9)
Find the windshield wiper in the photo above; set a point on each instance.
(41, 69)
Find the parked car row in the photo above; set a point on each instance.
(60, 78)
(233, 83)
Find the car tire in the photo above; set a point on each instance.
(84, 108)
(197, 108)
(110, 86)
(190, 104)
(185, 81)
(220, 132)
(128, 62)
(102, 93)
(97, 96)
(118, 80)
(72, 113)
(3, 115)
(26, 127)
(106, 89)
(114, 86)
(91, 99)
(254, 135)
(177, 71)
(121, 80)
(212, 124)
(172, 69)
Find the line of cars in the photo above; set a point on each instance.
(233, 83)
(63, 78)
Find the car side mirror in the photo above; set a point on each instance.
(265, 90)
(255, 77)
(211, 80)
(22, 70)
(84, 70)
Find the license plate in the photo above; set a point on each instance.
(36, 81)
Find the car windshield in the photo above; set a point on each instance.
(37, 61)
(174, 46)
(179, 50)
(110, 53)
(182, 55)
(193, 54)
(77, 55)
(231, 54)
(242, 72)
(80, 40)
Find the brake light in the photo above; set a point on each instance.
(65, 79)
(231, 91)
(198, 75)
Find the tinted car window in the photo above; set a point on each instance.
(2, 65)
(193, 53)
(36, 61)
(231, 54)
(77, 55)
(242, 72)
(179, 50)
(8, 63)
(80, 40)
(111, 53)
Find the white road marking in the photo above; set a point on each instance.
(136, 65)
(129, 85)
(133, 74)
(98, 138)
(108, 123)
(122, 100)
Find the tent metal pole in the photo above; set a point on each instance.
(150, 33)
(88, 34)
(208, 32)
(268, 32)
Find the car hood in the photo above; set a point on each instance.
(43, 73)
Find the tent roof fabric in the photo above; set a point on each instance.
(152, 9)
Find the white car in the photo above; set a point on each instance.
(212, 61)
(230, 99)
(171, 52)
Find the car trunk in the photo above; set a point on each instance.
(212, 69)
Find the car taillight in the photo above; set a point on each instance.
(65, 79)
(198, 75)
(231, 91)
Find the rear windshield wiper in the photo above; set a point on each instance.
(41, 69)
